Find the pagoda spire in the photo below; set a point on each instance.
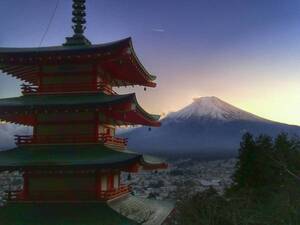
(79, 21)
(79, 16)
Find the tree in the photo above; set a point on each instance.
(206, 208)
(265, 170)
(287, 154)
(256, 167)
(244, 167)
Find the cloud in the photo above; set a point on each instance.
(158, 30)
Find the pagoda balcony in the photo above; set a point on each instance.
(16, 196)
(66, 88)
(114, 193)
(115, 142)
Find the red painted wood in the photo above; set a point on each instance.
(94, 73)
(121, 112)
(119, 64)
(96, 124)
(108, 195)
(98, 185)
(67, 88)
(69, 122)
(111, 182)
(25, 191)
(56, 139)
(92, 192)
(134, 168)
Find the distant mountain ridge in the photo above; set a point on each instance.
(207, 126)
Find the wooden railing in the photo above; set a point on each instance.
(53, 139)
(107, 139)
(69, 195)
(67, 88)
(14, 195)
(106, 195)
(57, 139)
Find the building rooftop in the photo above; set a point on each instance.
(117, 58)
(61, 214)
(82, 156)
(128, 210)
(120, 105)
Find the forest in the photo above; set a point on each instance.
(265, 190)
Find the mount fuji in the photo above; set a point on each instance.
(208, 126)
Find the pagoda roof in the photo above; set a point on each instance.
(119, 107)
(61, 214)
(66, 49)
(128, 210)
(71, 156)
(118, 59)
(153, 212)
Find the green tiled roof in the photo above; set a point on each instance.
(65, 49)
(32, 55)
(148, 160)
(128, 210)
(61, 214)
(88, 155)
(152, 212)
(93, 155)
(63, 100)
(32, 102)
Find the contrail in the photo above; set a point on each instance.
(158, 30)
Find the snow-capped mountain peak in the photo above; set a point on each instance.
(212, 108)
(208, 127)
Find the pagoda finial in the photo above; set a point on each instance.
(79, 16)
(79, 22)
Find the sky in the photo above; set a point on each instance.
(246, 52)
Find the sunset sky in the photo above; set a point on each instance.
(244, 52)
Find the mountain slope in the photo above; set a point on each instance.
(213, 108)
(207, 126)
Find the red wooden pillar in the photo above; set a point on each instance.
(95, 79)
(110, 181)
(25, 192)
(119, 174)
(96, 126)
(98, 185)
(40, 79)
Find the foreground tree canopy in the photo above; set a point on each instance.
(265, 189)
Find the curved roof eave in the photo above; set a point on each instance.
(149, 116)
(149, 162)
(63, 100)
(65, 156)
(149, 76)
(62, 49)
(123, 45)
(74, 100)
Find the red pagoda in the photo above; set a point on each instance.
(72, 163)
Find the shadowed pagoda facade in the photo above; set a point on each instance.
(72, 162)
